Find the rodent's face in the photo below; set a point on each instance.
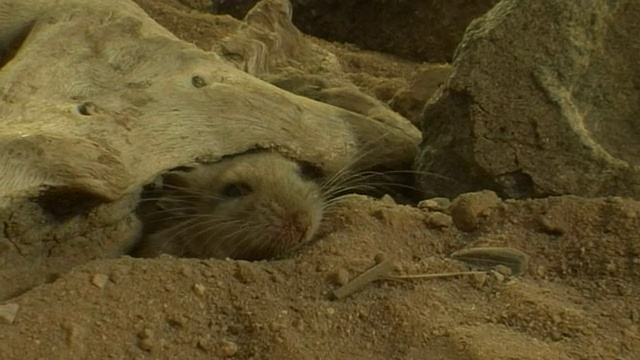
(251, 206)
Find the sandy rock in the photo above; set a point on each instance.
(438, 220)
(540, 103)
(100, 280)
(8, 313)
(227, 349)
(435, 204)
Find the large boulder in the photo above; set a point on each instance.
(542, 101)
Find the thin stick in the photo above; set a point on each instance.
(433, 276)
(376, 272)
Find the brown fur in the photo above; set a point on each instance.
(251, 206)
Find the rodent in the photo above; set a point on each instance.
(250, 206)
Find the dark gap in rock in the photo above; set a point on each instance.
(9, 47)
(517, 185)
(64, 203)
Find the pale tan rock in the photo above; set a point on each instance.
(100, 280)
(8, 313)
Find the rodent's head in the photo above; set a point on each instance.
(251, 206)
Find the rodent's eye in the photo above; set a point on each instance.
(234, 190)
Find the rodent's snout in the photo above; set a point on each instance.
(296, 227)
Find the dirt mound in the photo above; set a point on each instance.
(577, 300)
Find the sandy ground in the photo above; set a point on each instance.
(577, 300)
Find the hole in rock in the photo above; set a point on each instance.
(64, 203)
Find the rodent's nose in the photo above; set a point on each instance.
(299, 221)
(298, 224)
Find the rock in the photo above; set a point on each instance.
(227, 349)
(387, 199)
(499, 277)
(340, 277)
(435, 204)
(503, 269)
(100, 280)
(438, 220)
(198, 289)
(539, 103)
(8, 313)
(467, 209)
(479, 279)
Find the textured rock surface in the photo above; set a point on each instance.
(540, 107)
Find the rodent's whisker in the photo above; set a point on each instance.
(179, 188)
(237, 230)
(206, 227)
(329, 206)
(180, 228)
(169, 216)
(176, 199)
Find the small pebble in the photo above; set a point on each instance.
(388, 199)
(340, 277)
(438, 220)
(504, 270)
(186, 271)
(145, 334)
(146, 344)
(198, 289)
(177, 322)
(499, 277)
(478, 280)
(541, 270)
(435, 204)
(243, 272)
(227, 348)
(8, 313)
(74, 334)
(467, 209)
(204, 344)
(379, 258)
(100, 280)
